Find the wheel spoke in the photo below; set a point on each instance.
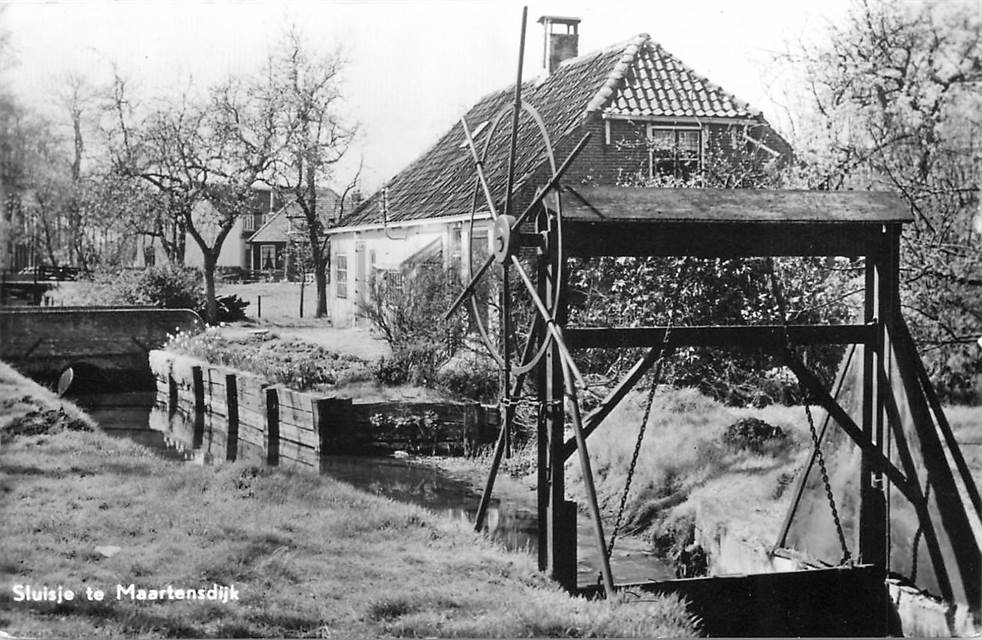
(557, 334)
(469, 289)
(479, 165)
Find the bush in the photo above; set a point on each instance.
(169, 286)
(752, 434)
(230, 308)
(406, 308)
(473, 377)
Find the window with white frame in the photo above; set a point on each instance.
(249, 222)
(674, 151)
(341, 276)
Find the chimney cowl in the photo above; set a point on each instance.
(559, 44)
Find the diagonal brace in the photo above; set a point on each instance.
(882, 464)
(607, 405)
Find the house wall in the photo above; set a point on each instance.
(620, 156)
(384, 250)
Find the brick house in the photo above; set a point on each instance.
(651, 118)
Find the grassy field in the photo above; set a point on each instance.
(308, 556)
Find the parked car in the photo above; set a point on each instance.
(47, 272)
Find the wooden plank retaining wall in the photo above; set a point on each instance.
(294, 428)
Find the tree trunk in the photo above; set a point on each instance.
(211, 307)
(320, 278)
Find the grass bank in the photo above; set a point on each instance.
(688, 454)
(308, 556)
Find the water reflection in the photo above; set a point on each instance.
(179, 433)
(512, 521)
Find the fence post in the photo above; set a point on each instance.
(198, 387)
(232, 402)
(272, 426)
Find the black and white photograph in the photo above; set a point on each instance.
(490, 319)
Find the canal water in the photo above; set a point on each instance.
(511, 519)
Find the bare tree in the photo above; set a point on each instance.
(204, 156)
(313, 138)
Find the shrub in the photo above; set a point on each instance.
(752, 434)
(473, 377)
(170, 286)
(231, 308)
(406, 307)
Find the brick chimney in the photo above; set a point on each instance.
(561, 40)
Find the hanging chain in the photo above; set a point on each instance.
(846, 555)
(779, 297)
(679, 276)
(634, 458)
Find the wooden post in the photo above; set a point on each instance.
(198, 388)
(272, 426)
(557, 545)
(171, 391)
(232, 402)
(881, 307)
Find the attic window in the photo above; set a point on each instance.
(674, 151)
(475, 133)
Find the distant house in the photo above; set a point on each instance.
(268, 246)
(649, 115)
(236, 251)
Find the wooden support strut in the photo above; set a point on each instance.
(920, 504)
(597, 416)
(802, 480)
(814, 386)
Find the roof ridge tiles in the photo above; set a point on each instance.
(616, 75)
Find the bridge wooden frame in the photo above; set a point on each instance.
(709, 223)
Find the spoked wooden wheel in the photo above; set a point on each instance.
(506, 239)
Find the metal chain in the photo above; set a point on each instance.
(634, 462)
(782, 309)
(846, 555)
(679, 276)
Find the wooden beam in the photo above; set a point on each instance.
(949, 437)
(811, 383)
(921, 507)
(597, 416)
(750, 336)
(701, 239)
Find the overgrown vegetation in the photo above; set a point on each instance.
(296, 364)
(890, 98)
(695, 446)
(406, 307)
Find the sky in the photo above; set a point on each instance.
(413, 66)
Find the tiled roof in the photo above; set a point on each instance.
(634, 78)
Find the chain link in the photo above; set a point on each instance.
(634, 462)
(782, 310)
(846, 554)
